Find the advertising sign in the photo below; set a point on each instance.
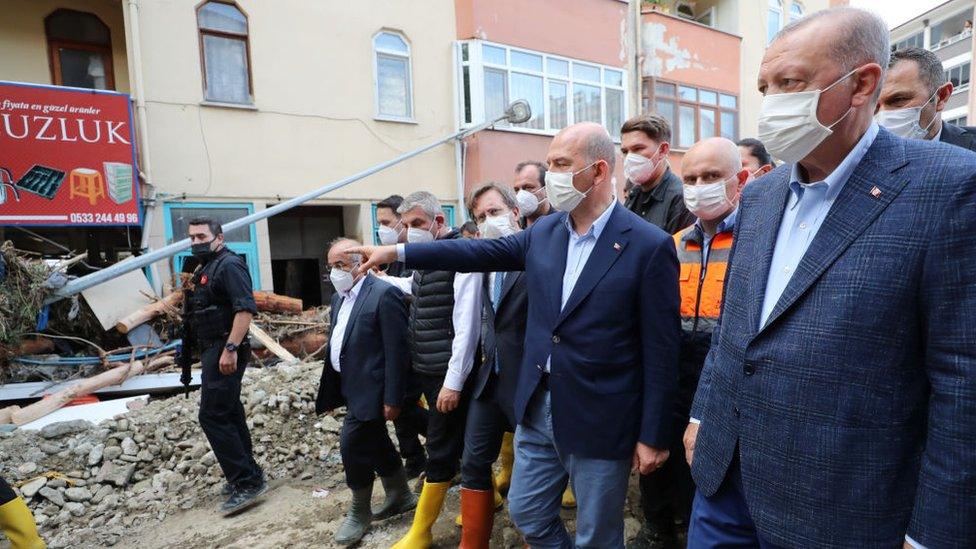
(67, 157)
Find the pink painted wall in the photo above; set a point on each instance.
(592, 30)
(690, 53)
(492, 156)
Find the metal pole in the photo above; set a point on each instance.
(517, 112)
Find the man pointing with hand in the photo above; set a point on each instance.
(595, 390)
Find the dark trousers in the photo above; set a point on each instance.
(666, 494)
(445, 432)
(222, 416)
(7, 493)
(723, 520)
(483, 434)
(366, 449)
(410, 424)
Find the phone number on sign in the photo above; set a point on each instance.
(104, 218)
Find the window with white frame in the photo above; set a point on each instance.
(958, 121)
(560, 90)
(796, 11)
(394, 99)
(959, 75)
(774, 19)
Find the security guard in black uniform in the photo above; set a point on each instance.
(218, 309)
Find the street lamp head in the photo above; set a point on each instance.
(518, 111)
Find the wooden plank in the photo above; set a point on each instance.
(270, 344)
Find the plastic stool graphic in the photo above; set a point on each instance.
(86, 183)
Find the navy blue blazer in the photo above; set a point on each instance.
(614, 346)
(375, 356)
(854, 406)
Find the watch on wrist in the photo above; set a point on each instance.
(231, 347)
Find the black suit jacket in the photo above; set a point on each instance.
(375, 357)
(503, 335)
(960, 136)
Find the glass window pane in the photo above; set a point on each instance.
(557, 67)
(180, 221)
(393, 85)
(709, 97)
(496, 92)
(728, 101)
(615, 112)
(586, 103)
(773, 19)
(964, 75)
(391, 42)
(796, 11)
(663, 88)
(493, 55)
(558, 113)
(586, 72)
(466, 77)
(464, 53)
(528, 61)
(82, 69)
(528, 87)
(613, 78)
(686, 127)
(666, 109)
(688, 93)
(78, 27)
(222, 17)
(706, 123)
(226, 63)
(729, 131)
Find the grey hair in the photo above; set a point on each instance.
(599, 146)
(864, 37)
(929, 66)
(343, 240)
(424, 200)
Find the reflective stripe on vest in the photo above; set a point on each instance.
(698, 291)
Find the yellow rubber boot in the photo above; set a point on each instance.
(428, 508)
(17, 522)
(506, 458)
(569, 499)
(499, 503)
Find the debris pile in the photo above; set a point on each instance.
(21, 297)
(89, 484)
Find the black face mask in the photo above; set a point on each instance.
(202, 251)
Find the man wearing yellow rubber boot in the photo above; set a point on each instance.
(16, 520)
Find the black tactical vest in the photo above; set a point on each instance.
(431, 320)
(210, 314)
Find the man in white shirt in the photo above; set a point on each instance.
(367, 367)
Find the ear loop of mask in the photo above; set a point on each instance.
(851, 108)
(934, 115)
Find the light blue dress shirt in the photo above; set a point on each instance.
(578, 251)
(805, 212)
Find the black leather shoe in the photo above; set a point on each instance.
(243, 498)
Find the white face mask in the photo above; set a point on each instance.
(788, 123)
(906, 122)
(388, 235)
(708, 201)
(639, 169)
(528, 202)
(496, 226)
(342, 280)
(560, 190)
(419, 236)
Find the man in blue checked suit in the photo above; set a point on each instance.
(599, 371)
(837, 407)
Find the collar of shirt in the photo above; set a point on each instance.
(836, 179)
(596, 229)
(938, 136)
(354, 291)
(726, 226)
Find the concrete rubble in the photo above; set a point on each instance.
(89, 484)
